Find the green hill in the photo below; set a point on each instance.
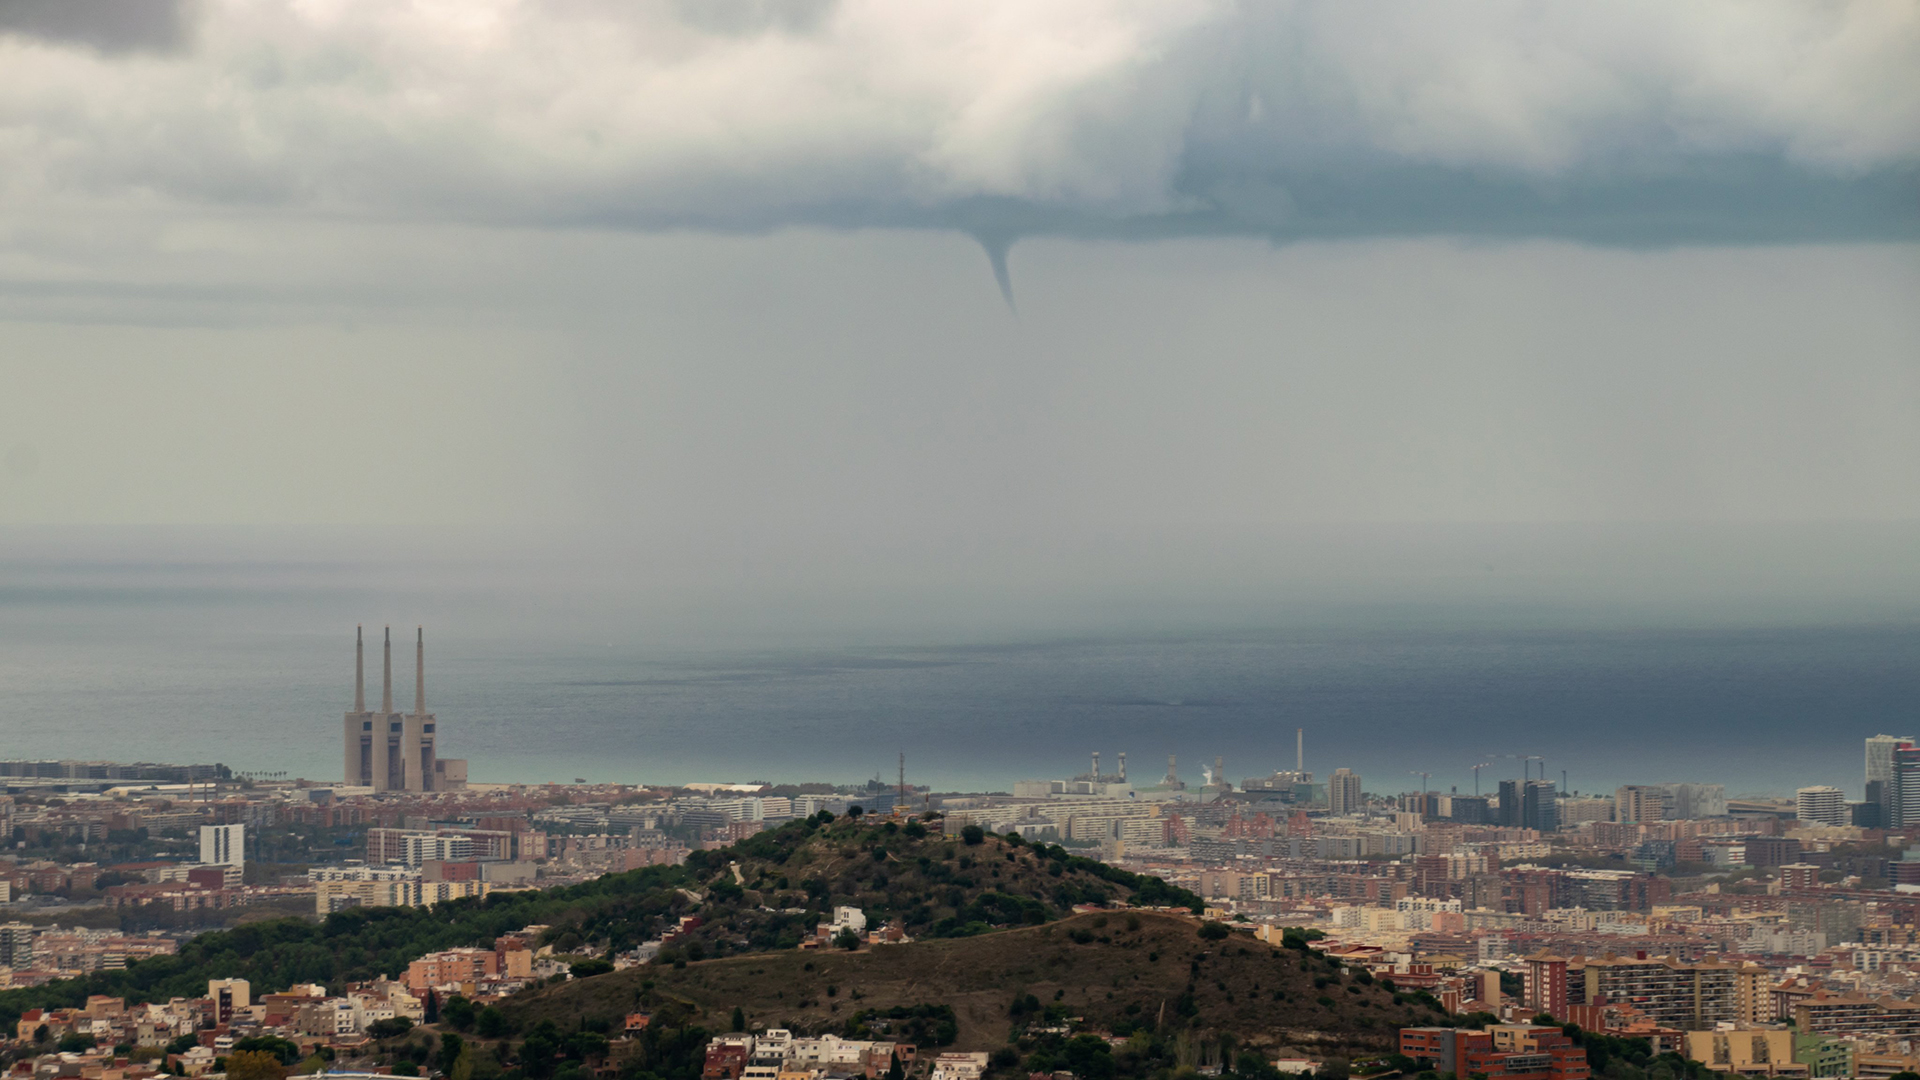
(770, 891)
(938, 887)
(1121, 971)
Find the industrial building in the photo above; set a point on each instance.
(394, 751)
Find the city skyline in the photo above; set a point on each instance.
(845, 446)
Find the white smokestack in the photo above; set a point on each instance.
(386, 693)
(420, 672)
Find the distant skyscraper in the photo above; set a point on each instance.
(1470, 810)
(1880, 750)
(1822, 805)
(1903, 790)
(223, 845)
(1540, 806)
(1343, 792)
(1509, 812)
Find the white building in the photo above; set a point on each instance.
(223, 845)
(959, 1066)
(423, 848)
(1416, 912)
(1822, 805)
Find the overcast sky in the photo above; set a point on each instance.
(804, 292)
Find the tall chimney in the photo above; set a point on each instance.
(1096, 764)
(386, 696)
(420, 671)
(359, 670)
(1300, 750)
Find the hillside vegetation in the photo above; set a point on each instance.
(770, 891)
(1124, 971)
(938, 887)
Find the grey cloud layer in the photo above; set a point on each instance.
(112, 26)
(1628, 122)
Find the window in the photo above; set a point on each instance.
(366, 725)
(428, 728)
(393, 727)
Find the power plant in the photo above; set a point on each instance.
(393, 751)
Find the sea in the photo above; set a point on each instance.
(257, 679)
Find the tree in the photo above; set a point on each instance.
(896, 1072)
(1214, 931)
(430, 1008)
(972, 834)
(491, 1023)
(854, 812)
(450, 1047)
(74, 1042)
(847, 939)
(587, 969)
(739, 1019)
(280, 1048)
(1252, 1066)
(459, 1012)
(255, 1065)
(390, 1028)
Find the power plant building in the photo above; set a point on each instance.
(394, 751)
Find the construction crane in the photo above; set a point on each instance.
(1476, 775)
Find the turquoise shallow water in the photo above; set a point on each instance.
(258, 679)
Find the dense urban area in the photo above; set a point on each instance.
(185, 920)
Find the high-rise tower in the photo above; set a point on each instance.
(1880, 750)
(1343, 793)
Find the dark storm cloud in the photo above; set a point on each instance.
(111, 26)
(1631, 124)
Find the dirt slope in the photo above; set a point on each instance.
(1112, 968)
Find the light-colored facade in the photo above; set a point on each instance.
(1343, 792)
(223, 845)
(1577, 811)
(1636, 803)
(1670, 993)
(1821, 805)
(1747, 1051)
(1880, 756)
(1691, 801)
